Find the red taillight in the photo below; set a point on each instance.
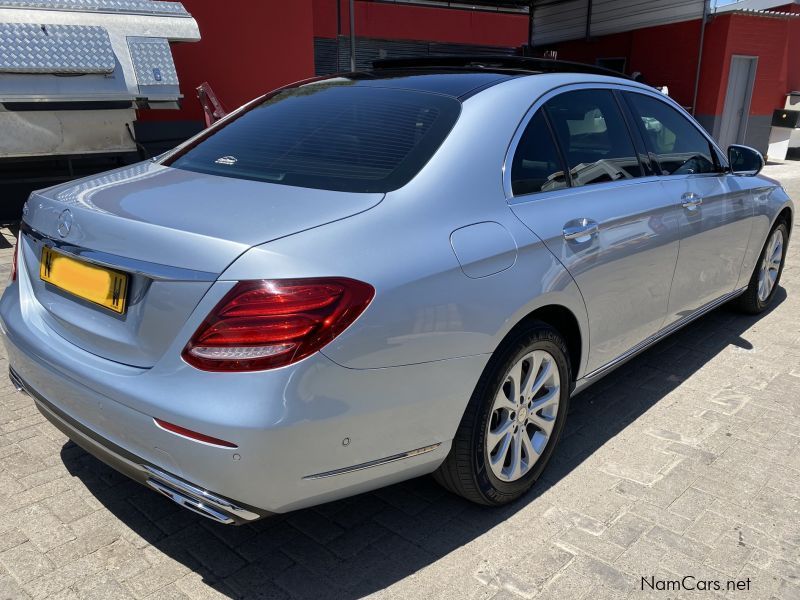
(14, 263)
(267, 324)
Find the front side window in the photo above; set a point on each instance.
(537, 167)
(593, 136)
(329, 135)
(677, 144)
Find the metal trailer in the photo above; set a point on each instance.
(72, 75)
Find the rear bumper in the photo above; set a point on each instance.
(307, 434)
(188, 495)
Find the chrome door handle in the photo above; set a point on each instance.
(691, 200)
(580, 230)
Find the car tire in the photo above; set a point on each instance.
(477, 471)
(756, 298)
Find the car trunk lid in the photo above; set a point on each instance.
(173, 232)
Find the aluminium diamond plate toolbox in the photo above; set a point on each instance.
(105, 57)
(144, 7)
(74, 49)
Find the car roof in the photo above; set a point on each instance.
(462, 76)
(450, 82)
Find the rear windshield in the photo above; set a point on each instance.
(329, 135)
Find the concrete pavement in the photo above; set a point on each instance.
(684, 462)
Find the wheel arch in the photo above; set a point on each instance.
(786, 216)
(563, 320)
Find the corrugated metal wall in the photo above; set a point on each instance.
(563, 21)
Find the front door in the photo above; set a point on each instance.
(715, 209)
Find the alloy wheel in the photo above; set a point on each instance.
(770, 265)
(523, 415)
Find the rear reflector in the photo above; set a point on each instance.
(14, 259)
(262, 325)
(193, 435)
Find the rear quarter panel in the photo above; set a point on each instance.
(426, 308)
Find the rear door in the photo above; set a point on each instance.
(594, 202)
(714, 208)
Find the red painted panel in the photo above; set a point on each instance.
(768, 39)
(793, 55)
(247, 49)
(713, 74)
(407, 22)
(667, 55)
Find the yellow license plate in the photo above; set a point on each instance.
(96, 284)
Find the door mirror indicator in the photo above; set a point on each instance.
(745, 161)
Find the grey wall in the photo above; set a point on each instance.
(757, 135)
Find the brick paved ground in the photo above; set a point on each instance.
(684, 462)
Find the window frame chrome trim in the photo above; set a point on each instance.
(561, 89)
(721, 156)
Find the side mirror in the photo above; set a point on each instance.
(745, 161)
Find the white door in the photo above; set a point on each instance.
(737, 100)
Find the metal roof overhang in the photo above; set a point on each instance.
(556, 21)
(486, 5)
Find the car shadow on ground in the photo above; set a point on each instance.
(13, 229)
(360, 545)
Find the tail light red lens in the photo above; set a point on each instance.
(273, 323)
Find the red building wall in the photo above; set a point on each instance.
(793, 54)
(665, 55)
(406, 22)
(247, 49)
(768, 39)
(668, 54)
(253, 47)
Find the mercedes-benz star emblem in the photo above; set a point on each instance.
(64, 223)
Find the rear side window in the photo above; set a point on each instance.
(537, 166)
(328, 135)
(593, 136)
(678, 145)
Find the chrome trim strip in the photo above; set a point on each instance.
(151, 270)
(602, 85)
(657, 337)
(375, 463)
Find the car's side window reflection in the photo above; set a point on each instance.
(537, 166)
(679, 147)
(593, 136)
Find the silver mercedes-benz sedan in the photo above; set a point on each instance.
(365, 278)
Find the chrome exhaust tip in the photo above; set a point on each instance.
(196, 498)
(190, 503)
